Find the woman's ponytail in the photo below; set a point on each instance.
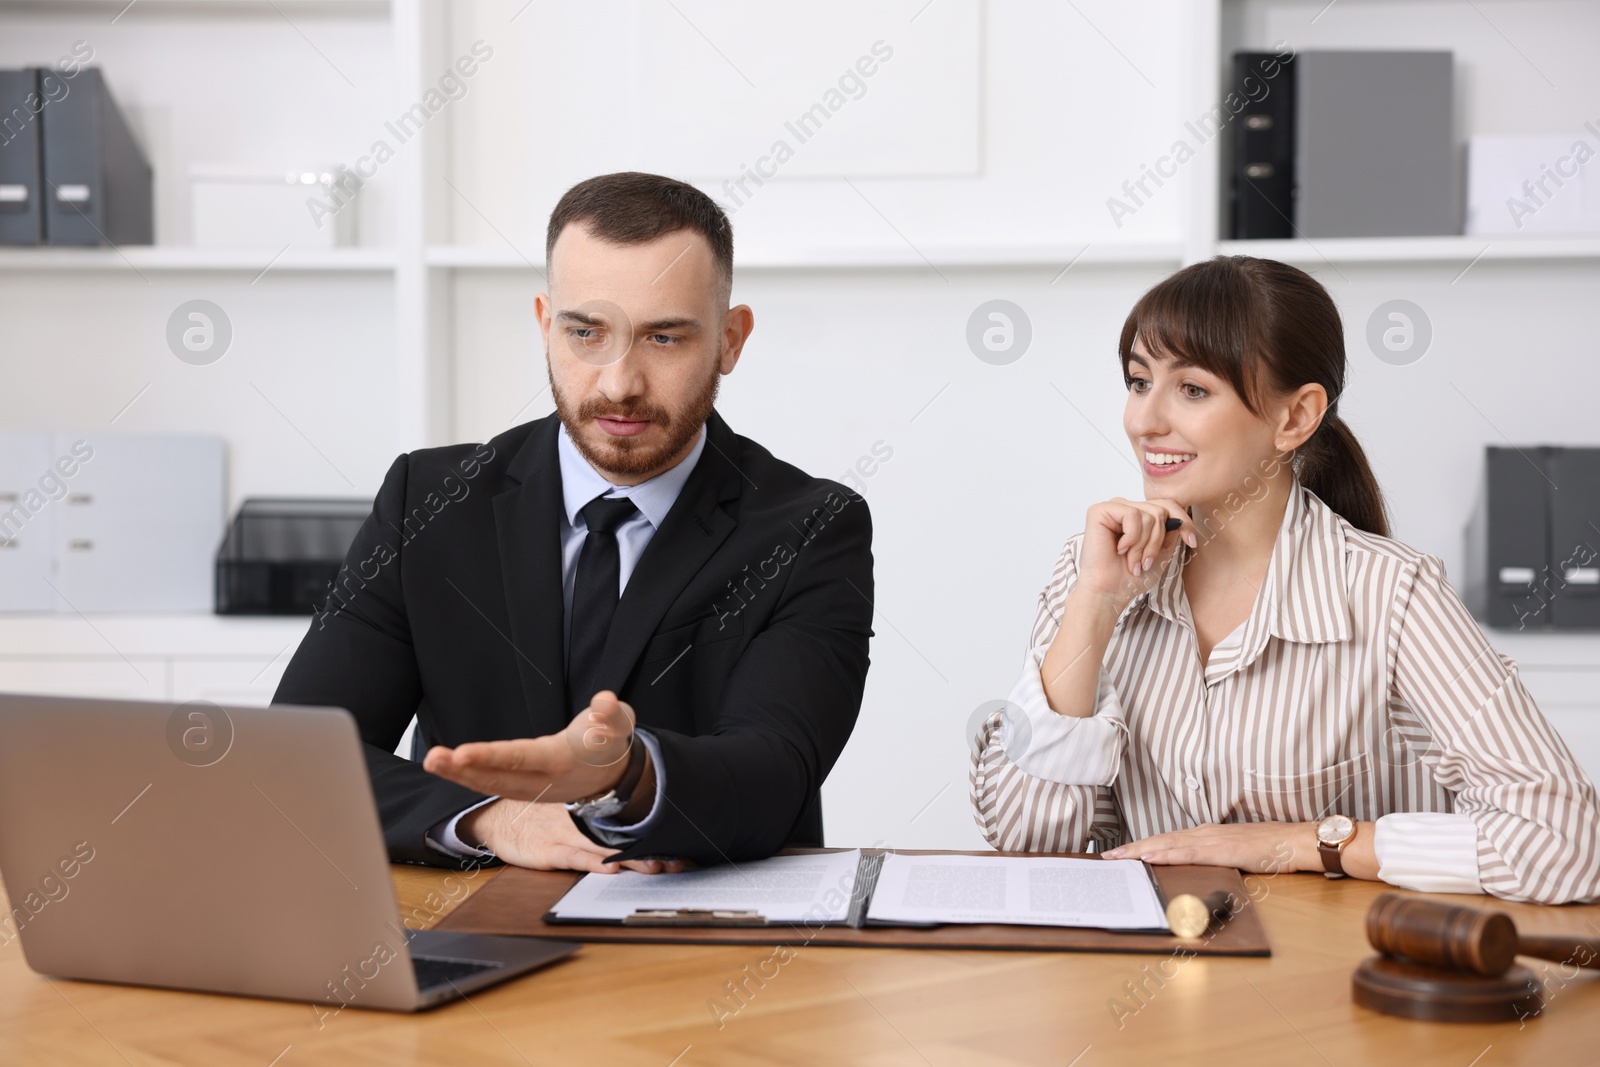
(1332, 465)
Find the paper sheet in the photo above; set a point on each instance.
(813, 888)
(1033, 890)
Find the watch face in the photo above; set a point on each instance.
(603, 808)
(1335, 828)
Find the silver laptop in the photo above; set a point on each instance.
(222, 849)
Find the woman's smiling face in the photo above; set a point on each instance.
(1176, 409)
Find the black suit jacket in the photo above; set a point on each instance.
(740, 639)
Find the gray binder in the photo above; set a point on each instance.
(1533, 541)
(96, 180)
(1508, 539)
(1376, 154)
(1575, 538)
(20, 217)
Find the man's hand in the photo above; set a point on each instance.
(543, 837)
(1258, 847)
(584, 760)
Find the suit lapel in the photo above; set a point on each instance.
(693, 530)
(528, 525)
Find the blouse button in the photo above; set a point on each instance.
(1192, 782)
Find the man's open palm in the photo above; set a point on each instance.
(586, 758)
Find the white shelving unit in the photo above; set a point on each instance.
(463, 257)
(179, 258)
(420, 37)
(1463, 249)
(423, 333)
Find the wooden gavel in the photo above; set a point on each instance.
(1465, 939)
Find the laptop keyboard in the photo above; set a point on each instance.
(435, 971)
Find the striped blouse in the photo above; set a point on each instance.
(1359, 685)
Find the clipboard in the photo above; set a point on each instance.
(517, 902)
(866, 880)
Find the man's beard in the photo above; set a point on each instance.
(626, 455)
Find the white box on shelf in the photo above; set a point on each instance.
(307, 208)
(1533, 185)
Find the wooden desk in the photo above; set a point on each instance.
(652, 1005)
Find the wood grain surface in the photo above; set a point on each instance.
(680, 1005)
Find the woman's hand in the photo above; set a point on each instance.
(1119, 535)
(1126, 546)
(1260, 847)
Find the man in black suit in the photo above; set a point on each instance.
(631, 637)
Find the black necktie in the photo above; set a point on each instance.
(594, 595)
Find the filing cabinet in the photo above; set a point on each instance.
(27, 532)
(109, 522)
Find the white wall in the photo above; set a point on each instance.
(1061, 117)
(992, 467)
(991, 477)
(995, 473)
(304, 393)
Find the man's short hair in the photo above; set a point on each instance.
(631, 207)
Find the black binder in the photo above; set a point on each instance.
(97, 183)
(21, 220)
(1575, 538)
(1262, 183)
(1533, 541)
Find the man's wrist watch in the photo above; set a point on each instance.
(1333, 834)
(613, 800)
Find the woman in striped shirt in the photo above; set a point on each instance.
(1275, 684)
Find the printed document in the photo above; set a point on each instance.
(810, 888)
(1033, 890)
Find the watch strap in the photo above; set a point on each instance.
(616, 798)
(1331, 864)
(1333, 854)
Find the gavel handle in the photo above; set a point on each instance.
(1579, 951)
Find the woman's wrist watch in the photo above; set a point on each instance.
(613, 800)
(1333, 834)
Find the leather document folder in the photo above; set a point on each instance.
(517, 901)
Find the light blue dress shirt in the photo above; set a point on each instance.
(581, 483)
